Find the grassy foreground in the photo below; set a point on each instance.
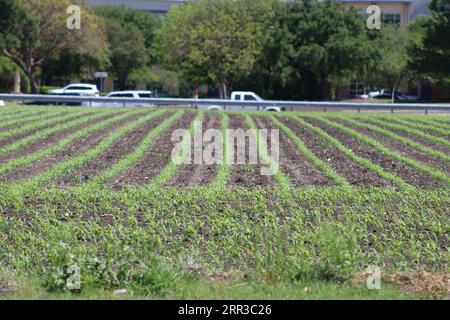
(252, 244)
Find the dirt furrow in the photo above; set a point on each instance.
(354, 173)
(246, 175)
(14, 138)
(399, 147)
(26, 121)
(155, 158)
(423, 141)
(74, 149)
(50, 140)
(110, 156)
(407, 173)
(293, 163)
(192, 175)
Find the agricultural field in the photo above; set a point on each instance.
(91, 201)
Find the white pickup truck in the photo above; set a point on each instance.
(243, 96)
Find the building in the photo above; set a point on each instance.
(155, 6)
(407, 9)
(396, 12)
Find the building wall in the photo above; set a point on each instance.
(162, 6)
(157, 6)
(403, 8)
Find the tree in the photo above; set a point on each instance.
(42, 33)
(128, 51)
(145, 22)
(212, 40)
(430, 53)
(328, 47)
(391, 69)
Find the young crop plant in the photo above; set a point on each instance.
(415, 124)
(362, 161)
(164, 176)
(412, 131)
(60, 145)
(81, 159)
(279, 177)
(50, 123)
(47, 132)
(411, 143)
(309, 155)
(429, 122)
(23, 119)
(439, 175)
(17, 113)
(136, 154)
(224, 171)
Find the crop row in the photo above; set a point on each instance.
(222, 175)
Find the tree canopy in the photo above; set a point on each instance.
(42, 33)
(213, 40)
(430, 56)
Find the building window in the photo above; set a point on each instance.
(393, 19)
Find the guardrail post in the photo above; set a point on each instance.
(359, 110)
(392, 110)
(426, 111)
(324, 109)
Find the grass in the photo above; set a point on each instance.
(214, 241)
(195, 289)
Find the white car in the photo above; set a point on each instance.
(132, 94)
(78, 89)
(243, 96)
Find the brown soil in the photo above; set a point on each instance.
(110, 156)
(50, 140)
(423, 141)
(45, 114)
(398, 168)
(74, 149)
(399, 147)
(154, 160)
(14, 138)
(413, 125)
(330, 154)
(292, 162)
(193, 175)
(246, 176)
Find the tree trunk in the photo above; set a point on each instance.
(16, 88)
(223, 90)
(33, 82)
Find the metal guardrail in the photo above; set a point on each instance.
(285, 105)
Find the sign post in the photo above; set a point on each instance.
(102, 76)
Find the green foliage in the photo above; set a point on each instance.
(128, 51)
(137, 20)
(212, 40)
(391, 69)
(430, 52)
(327, 46)
(40, 33)
(66, 269)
